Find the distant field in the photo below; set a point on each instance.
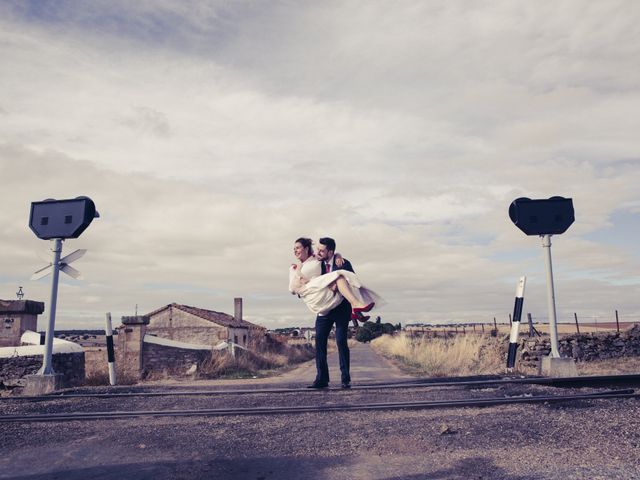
(563, 328)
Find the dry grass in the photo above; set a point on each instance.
(95, 362)
(609, 366)
(461, 355)
(476, 355)
(265, 355)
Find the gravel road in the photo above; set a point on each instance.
(582, 440)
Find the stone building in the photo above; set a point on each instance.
(176, 338)
(16, 317)
(199, 326)
(22, 349)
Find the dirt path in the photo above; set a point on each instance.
(366, 366)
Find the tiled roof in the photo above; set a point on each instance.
(219, 318)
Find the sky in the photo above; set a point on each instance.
(212, 134)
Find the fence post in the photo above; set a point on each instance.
(482, 325)
(515, 325)
(617, 322)
(111, 358)
(464, 330)
(531, 329)
(474, 328)
(510, 321)
(575, 315)
(495, 325)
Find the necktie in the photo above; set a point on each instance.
(327, 267)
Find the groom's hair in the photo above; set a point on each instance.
(330, 243)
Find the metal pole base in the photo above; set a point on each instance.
(558, 367)
(42, 384)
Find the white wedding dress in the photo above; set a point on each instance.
(317, 295)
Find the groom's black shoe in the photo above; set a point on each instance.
(318, 385)
(346, 385)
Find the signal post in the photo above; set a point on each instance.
(56, 220)
(544, 218)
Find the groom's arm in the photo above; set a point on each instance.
(347, 266)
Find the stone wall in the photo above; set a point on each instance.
(583, 347)
(13, 370)
(170, 360)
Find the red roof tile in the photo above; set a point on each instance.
(219, 318)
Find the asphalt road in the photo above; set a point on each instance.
(582, 440)
(366, 366)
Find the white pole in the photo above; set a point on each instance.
(515, 324)
(110, 353)
(551, 297)
(47, 369)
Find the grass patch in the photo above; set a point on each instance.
(439, 357)
(609, 366)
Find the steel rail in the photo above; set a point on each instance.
(486, 402)
(585, 381)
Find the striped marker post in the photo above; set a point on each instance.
(515, 325)
(110, 353)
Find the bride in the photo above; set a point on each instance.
(323, 293)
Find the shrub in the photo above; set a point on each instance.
(370, 330)
(265, 353)
(364, 335)
(388, 329)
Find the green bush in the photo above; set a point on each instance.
(388, 329)
(370, 330)
(364, 335)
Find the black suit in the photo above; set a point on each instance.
(341, 315)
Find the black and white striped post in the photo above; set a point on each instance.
(111, 358)
(515, 325)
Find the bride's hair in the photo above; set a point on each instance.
(306, 243)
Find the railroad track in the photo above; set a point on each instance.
(575, 382)
(485, 402)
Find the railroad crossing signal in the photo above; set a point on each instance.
(52, 219)
(64, 266)
(545, 217)
(542, 217)
(58, 220)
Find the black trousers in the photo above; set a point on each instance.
(340, 316)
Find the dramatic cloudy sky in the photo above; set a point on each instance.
(212, 134)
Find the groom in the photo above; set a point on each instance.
(341, 315)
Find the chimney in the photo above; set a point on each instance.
(237, 311)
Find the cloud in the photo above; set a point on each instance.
(211, 135)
